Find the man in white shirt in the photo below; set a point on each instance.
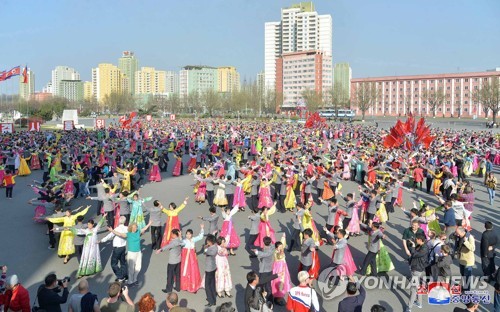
(119, 250)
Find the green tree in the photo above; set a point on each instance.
(118, 102)
(211, 101)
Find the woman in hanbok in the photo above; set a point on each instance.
(178, 165)
(172, 222)
(190, 271)
(24, 169)
(383, 259)
(35, 161)
(290, 200)
(346, 175)
(265, 228)
(348, 266)
(90, 263)
(228, 231)
(223, 281)
(154, 175)
(281, 285)
(220, 198)
(265, 200)
(66, 246)
(136, 213)
(308, 223)
(126, 181)
(192, 161)
(239, 198)
(201, 192)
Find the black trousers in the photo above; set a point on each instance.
(320, 194)
(363, 174)
(174, 273)
(370, 259)
(295, 240)
(488, 265)
(110, 218)
(210, 198)
(251, 244)
(210, 287)
(428, 184)
(277, 188)
(267, 286)
(8, 191)
(281, 203)
(52, 236)
(345, 223)
(155, 237)
(255, 202)
(79, 251)
(230, 199)
(118, 257)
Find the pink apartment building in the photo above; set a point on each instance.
(399, 95)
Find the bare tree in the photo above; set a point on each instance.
(489, 96)
(340, 97)
(313, 99)
(118, 102)
(365, 95)
(434, 98)
(211, 101)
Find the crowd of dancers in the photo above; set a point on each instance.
(268, 171)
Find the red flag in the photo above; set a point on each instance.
(16, 71)
(3, 75)
(25, 74)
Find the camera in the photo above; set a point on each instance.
(65, 279)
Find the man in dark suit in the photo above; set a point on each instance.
(353, 302)
(253, 283)
(489, 241)
(470, 307)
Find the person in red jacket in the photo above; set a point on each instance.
(418, 177)
(18, 298)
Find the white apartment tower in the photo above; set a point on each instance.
(62, 73)
(301, 29)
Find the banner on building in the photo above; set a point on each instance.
(172, 117)
(149, 118)
(68, 125)
(34, 125)
(100, 123)
(6, 127)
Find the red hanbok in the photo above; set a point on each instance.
(177, 167)
(154, 175)
(190, 271)
(171, 224)
(34, 162)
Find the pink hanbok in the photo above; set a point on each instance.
(353, 226)
(281, 285)
(265, 200)
(154, 175)
(348, 267)
(228, 231)
(265, 228)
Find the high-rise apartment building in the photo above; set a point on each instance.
(228, 79)
(149, 81)
(171, 82)
(197, 79)
(71, 90)
(87, 90)
(301, 29)
(128, 65)
(299, 72)
(261, 78)
(26, 90)
(342, 75)
(48, 88)
(62, 73)
(106, 79)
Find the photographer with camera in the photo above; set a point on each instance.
(117, 300)
(48, 295)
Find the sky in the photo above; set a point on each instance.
(377, 37)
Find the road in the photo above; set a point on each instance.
(24, 246)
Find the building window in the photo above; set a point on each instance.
(432, 88)
(416, 102)
(466, 109)
(457, 80)
(466, 80)
(400, 89)
(424, 81)
(466, 88)
(448, 88)
(448, 109)
(440, 109)
(432, 81)
(449, 80)
(448, 102)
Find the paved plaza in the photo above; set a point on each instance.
(24, 244)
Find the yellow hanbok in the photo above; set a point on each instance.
(308, 223)
(126, 184)
(66, 246)
(24, 169)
